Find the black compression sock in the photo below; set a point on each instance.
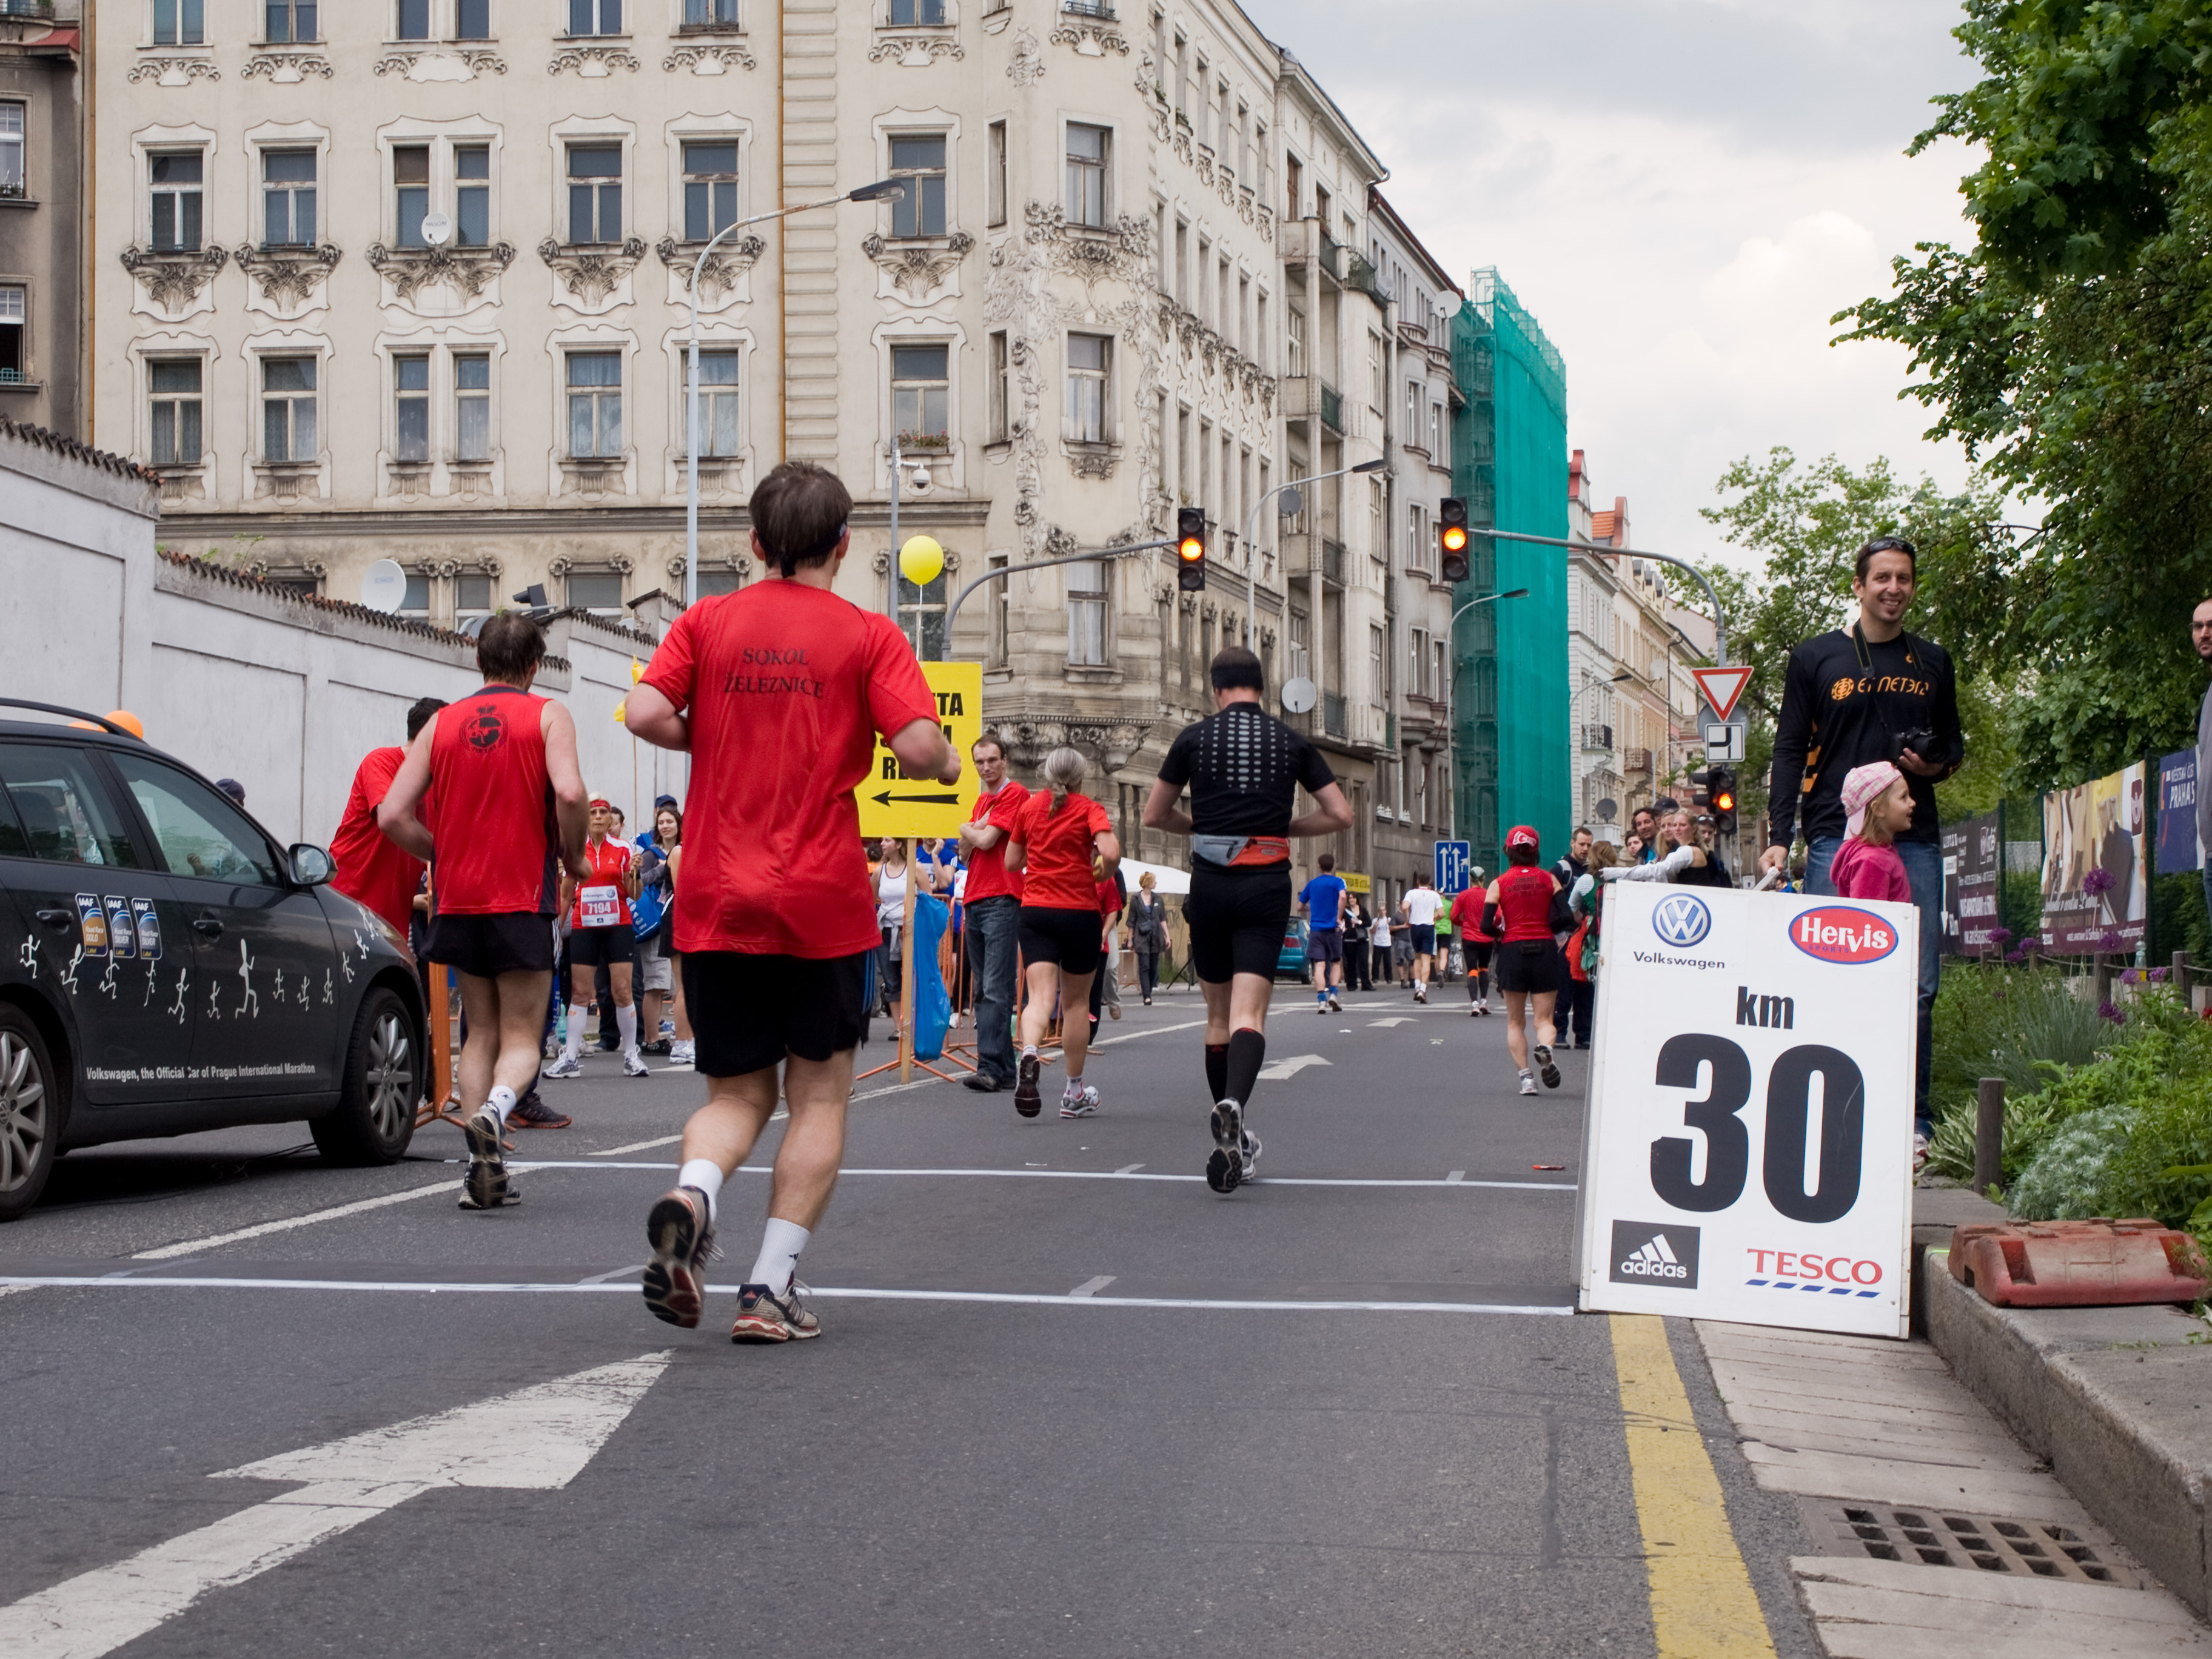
(1248, 1052)
(1217, 1069)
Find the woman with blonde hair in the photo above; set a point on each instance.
(1062, 844)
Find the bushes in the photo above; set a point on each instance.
(2017, 1023)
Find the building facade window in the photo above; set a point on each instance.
(1090, 388)
(595, 193)
(995, 169)
(410, 186)
(1090, 154)
(287, 198)
(472, 406)
(180, 22)
(917, 14)
(472, 20)
(410, 410)
(14, 311)
(997, 388)
(595, 16)
(921, 395)
(415, 600)
(710, 189)
(1294, 348)
(176, 191)
(173, 385)
(1086, 614)
(710, 14)
(472, 195)
(921, 616)
(287, 408)
(414, 20)
(918, 160)
(471, 598)
(289, 22)
(1378, 666)
(594, 404)
(719, 406)
(12, 177)
(600, 592)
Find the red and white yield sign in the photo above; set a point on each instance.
(1722, 687)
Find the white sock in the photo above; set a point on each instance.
(626, 1023)
(574, 1047)
(1028, 1051)
(707, 1175)
(781, 1243)
(500, 1102)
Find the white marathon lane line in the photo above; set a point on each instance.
(842, 1294)
(521, 1165)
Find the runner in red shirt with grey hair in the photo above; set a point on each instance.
(778, 691)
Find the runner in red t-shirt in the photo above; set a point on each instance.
(1467, 916)
(503, 764)
(369, 867)
(993, 905)
(1062, 842)
(778, 691)
(600, 935)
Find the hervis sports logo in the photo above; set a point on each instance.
(1645, 1253)
(1837, 932)
(1681, 921)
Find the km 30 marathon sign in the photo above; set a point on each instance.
(1749, 1154)
(892, 803)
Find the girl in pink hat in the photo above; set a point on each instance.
(1878, 808)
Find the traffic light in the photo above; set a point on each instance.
(1451, 538)
(1723, 790)
(1700, 788)
(1190, 549)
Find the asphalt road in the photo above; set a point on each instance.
(1066, 1401)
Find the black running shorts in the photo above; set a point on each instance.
(1073, 939)
(1528, 965)
(748, 1013)
(510, 942)
(1478, 952)
(602, 947)
(1237, 921)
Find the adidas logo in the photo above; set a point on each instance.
(1646, 1254)
(1655, 1261)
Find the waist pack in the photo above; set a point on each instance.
(1240, 852)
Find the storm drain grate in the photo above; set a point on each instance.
(1945, 1538)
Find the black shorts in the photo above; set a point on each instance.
(510, 942)
(1530, 965)
(602, 947)
(1073, 938)
(1238, 919)
(748, 1013)
(1478, 952)
(1324, 944)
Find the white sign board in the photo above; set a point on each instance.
(1747, 1154)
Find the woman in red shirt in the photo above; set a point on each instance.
(1062, 844)
(1518, 915)
(601, 934)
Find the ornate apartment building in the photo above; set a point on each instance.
(1123, 277)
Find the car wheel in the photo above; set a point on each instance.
(375, 1118)
(30, 1113)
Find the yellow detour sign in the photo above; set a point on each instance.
(892, 803)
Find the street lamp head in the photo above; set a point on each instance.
(883, 190)
(1515, 593)
(1371, 466)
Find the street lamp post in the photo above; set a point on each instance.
(1252, 529)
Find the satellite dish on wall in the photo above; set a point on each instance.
(1608, 810)
(437, 229)
(1291, 504)
(1447, 305)
(1299, 696)
(384, 586)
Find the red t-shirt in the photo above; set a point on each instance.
(1056, 872)
(1467, 916)
(370, 868)
(610, 860)
(787, 687)
(500, 853)
(987, 867)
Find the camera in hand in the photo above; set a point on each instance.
(1921, 741)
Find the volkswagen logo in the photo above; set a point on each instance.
(1681, 921)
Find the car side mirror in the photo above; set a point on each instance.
(311, 866)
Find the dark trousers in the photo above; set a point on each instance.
(1578, 999)
(1148, 972)
(1382, 964)
(993, 931)
(1356, 960)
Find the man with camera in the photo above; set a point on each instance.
(1871, 692)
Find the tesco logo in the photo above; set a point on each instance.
(1837, 932)
(1833, 1269)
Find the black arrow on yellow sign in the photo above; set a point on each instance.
(887, 798)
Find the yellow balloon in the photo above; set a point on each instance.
(921, 561)
(622, 711)
(636, 671)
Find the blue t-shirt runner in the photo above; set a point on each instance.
(1323, 898)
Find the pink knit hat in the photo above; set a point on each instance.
(1863, 787)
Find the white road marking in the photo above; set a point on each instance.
(536, 1439)
(1092, 1286)
(1040, 1173)
(637, 1147)
(613, 1273)
(455, 1287)
(1128, 1168)
(1401, 1019)
(1156, 1031)
(1290, 1067)
(1455, 1177)
(192, 1247)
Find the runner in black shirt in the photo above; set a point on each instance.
(1244, 768)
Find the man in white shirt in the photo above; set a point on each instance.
(1419, 908)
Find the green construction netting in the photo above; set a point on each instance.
(1509, 464)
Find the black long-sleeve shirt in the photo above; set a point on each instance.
(1842, 699)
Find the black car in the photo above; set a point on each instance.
(166, 967)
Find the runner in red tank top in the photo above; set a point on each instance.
(600, 936)
(369, 867)
(1517, 913)
(510, 800)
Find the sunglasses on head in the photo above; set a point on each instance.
(1892, 545)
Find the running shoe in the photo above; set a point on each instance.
(568, 1065)
(1420, 993)
(1249, 1159)
(1027, 1100)
(982, 1083)
(765, 1316)
(634, 1065)
(1080, 1102)
(532, 1112)
(1546, 1065)
(1223, 1172)
(1528, 1083)
(1321, 1007)
(684, 1052)
(658, 1048)
(683, 1239)
(1115, 1009)
(1335, 1003)
(1474, 1011)
(1919, 1150)
(487, 1186)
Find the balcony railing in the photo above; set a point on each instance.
(1597, 737)
(1332, 408)
(1332, 561)
(1332, 713)
(1636, 760)
(1101, 9)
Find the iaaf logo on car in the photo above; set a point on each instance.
(1837, 932)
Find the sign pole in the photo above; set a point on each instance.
(906, 973)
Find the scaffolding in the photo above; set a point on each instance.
(1510, 659)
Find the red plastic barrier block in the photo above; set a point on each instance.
(2079, 1264)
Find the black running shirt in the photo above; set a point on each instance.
(1244, 767)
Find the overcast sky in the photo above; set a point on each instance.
(1683, 192)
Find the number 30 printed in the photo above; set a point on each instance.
(1789, 1112)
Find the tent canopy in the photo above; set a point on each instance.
(1166, 878)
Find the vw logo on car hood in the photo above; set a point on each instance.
(1681, 921)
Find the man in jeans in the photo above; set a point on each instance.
(995, 910)
(1872, 692)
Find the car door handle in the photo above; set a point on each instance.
(208, 927)
(56, 918)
